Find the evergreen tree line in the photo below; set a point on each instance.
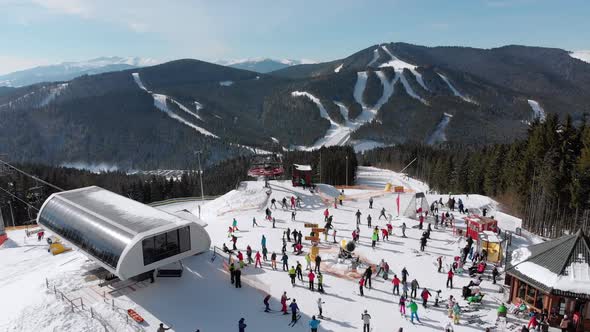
(217, 180)
(544, 178)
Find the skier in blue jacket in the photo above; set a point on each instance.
(314, 323)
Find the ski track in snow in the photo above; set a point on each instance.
(161, 104)
(439, 134)
(337, 70)
(375, 57)
(455, 91)
(398, 64)
(538, 111)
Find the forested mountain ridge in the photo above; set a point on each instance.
(156, 117)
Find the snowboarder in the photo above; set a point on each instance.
(294, 310)
(404, 230)
(425, 295)
(284, 300)
(320, 302)
(358, 216)
(361, 284)
(292, 274)
(238, 278)
(382, 214)
(413, 311)
(318, 261)
(366, 318)
(450, 275)
(311, 278)
(285, 260)
(402, 306)
(266, 304)
(395, 283)
(314, 323)
(414, 286)
(370, 202)
(258, 262)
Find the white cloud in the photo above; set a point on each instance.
(72, 7)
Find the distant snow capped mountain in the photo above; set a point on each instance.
(582, 55)
(68, 70)
(263, 65)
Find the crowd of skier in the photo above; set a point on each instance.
(407, 291)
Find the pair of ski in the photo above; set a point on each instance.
(293, 322)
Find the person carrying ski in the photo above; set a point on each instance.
(258, 262)
(266, 303)
(273, 261)
(404, 230)
(314, 324)
(311, 277)
(284, 300)
(366, 318)
(370, 202)
(294, 310)
(414, 286)
(425, 295)
(413, 311)
(361, 284)
(358, 216)
(450, 275)
(368, 275)
(292, 274)
(285, 260)
(318, 262)
(382, 214)
(402, 306)
(298, 269)
(395, 283)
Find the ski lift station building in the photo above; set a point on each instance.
(124, 236)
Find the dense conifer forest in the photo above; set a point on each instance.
(545, 178)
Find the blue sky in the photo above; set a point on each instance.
(34, 32)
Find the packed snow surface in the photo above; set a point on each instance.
(400, 65)
(203, 297)
(439, 134)
(375, 57)
(161, 103)
(538, 111)
(337, 70)
(453, 89)
(54, 92)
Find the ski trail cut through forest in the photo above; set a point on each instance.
(439, 134)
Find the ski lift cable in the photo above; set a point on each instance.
(13, 195)
(31, 176)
